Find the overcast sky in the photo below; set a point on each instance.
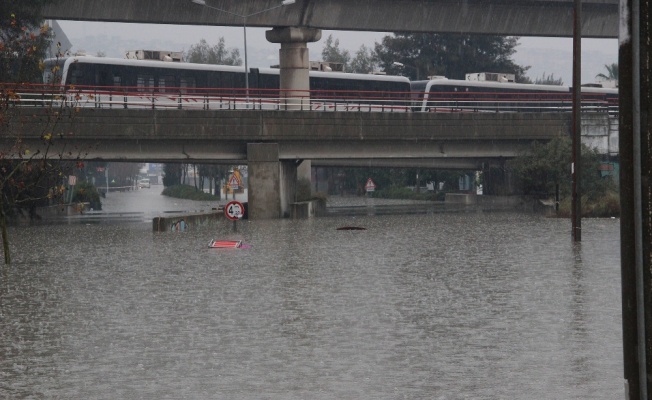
(544, 55)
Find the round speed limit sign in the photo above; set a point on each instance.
(234, 210)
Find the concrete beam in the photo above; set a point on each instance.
(435, 163)
(199, 136)
(504, 17)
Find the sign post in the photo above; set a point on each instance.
(72, 181)
(234, 210)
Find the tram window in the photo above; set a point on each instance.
(117, 80)
(76, 75)
(228, 80)
(212, 79)
(268, 81)
(231, 80)
(166, 81)
(187, 82)
(144, 81)
(48, 76)
(103, 77)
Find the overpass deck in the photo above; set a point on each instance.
(222, 136)
(373, 129)
(504, 17)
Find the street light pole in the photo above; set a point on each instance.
(244, 33)
(244, 29)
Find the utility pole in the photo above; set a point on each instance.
(635, 145)
(576, 131)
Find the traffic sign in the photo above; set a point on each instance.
(370, 185)
(234, 182)
(234, 210)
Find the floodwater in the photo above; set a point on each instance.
(432, 306)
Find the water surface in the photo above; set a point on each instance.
(431, 306)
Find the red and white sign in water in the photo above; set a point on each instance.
(234, 210)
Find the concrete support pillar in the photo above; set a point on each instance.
(272, 183)
(288, 186)
(496, 180)
(264, 181)
(295, 63)
(304, 170)
(635, 145)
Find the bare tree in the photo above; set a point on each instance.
(32, 173)
(203, 53)
(332, 52)
(364, 61)
(549, 80)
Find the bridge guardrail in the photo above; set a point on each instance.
(181, 99)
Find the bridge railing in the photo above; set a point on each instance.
(168, 98)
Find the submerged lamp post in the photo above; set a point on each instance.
(244, 28)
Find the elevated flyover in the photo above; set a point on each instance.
(449, 140)
(275, 143)
(496, 17)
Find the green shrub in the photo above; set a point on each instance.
(86, 192)
(400, 192)
(604, 206)
(188, 192)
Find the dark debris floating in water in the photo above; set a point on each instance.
(351, 228)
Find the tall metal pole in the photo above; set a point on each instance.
(244, 28)
(576, 206)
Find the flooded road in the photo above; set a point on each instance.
(432, 306)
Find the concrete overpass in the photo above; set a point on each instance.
(504, 17)
(196, 136)
(275, 143)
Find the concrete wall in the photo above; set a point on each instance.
(600, 131)
(182, 223)
(461, 198)
(63, 209)
(308, 209)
